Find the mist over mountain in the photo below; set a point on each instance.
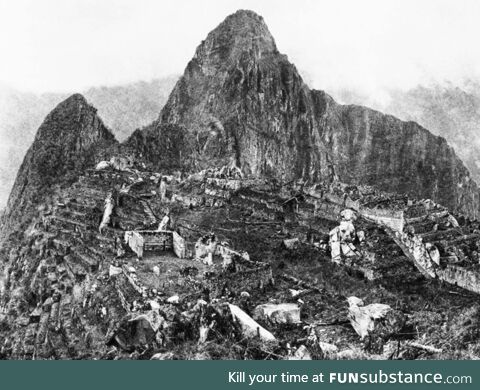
(123, 109)
(449, 110)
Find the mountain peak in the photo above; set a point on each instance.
(74, 101)
(244, 16)
(240, 33)
(66, 142)
(242, 101)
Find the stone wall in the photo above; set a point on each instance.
(162, 240)
(414, 249)
(468, 279)
(135, 242)
(392, 218)
(144, 240)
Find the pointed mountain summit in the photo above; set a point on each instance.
(242, 33)
(65, 144)
(241, 101)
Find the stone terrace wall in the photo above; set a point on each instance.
(414, 249)
(392, 218)
(460, 276)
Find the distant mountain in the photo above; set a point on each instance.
(241, 101)
(128, 107)
(447, 110)
(122, 108)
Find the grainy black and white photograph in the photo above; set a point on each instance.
(239, 180)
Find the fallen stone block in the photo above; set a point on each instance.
(363, 317)
(113, 271)
(174, 299)
(163, 356)
(291, 243)
(138, 332)
(328, 349)
(302, 353)
(249, 326)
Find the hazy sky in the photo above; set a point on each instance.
(67, 45)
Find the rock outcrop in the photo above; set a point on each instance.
(240, 100)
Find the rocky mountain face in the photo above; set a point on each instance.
(240, 100)
(65, 144)
(452, 112)
(123, 109)
(448, 110)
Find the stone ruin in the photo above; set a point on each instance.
(428, 234)
(155, 240)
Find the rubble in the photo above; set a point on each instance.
(283, 313)
(342, 237)
(205, 248)
(363, 317)
(329, 350)
(139, 331)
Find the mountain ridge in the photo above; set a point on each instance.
(257, 112)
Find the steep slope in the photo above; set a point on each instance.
(452, 112)
(64, 145)
(242, 101)
(449, 110)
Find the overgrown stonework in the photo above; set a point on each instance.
(224, 171)
(241, 99)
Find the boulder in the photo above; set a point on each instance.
(348, 215)
(249, 326)
(291, 243)
(363, 317)
(163, 356)
(283, 313)
(302, 353)
(154, 305)
(139, 331)
(328, 349)
(174, 299)
(113, 271)
(102, 165)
